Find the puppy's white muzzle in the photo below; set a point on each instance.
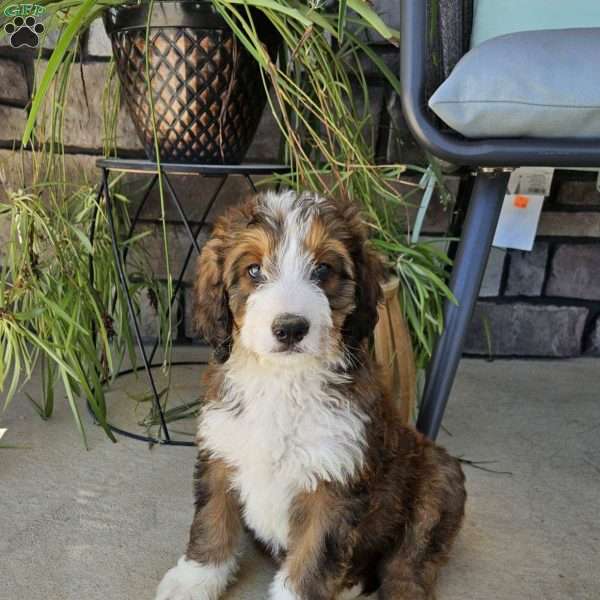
(287, 316)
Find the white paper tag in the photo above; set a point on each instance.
(533, 181)
(2, 432)
(518, 221)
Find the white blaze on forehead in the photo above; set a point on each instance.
(293, 260)
(284, 202)
(278, 202)
(296, 213)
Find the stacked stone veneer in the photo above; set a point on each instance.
(544, 303)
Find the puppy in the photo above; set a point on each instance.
(297, 441)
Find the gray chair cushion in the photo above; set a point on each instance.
(529, 84)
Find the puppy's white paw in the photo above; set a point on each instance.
(190, 580)
(351, 594)
(281, 588)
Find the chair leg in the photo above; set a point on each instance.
(465, 282)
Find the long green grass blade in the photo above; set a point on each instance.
(342, 14)
(81, 16)
(362, 8)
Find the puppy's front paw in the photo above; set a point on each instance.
(281, 587)
(190, 580)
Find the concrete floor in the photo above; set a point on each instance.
(107, 523)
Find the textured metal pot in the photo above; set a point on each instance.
(207, 91)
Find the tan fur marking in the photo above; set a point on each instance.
(216, 528)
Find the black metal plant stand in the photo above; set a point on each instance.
(150, 168)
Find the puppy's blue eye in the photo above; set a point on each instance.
(254, 272)
(321, 272)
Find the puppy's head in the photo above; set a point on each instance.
(288, 276)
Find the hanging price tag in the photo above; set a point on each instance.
(522, 207)
(518, 221)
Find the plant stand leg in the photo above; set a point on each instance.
(469, 267)
(130, 306)
(193, 241)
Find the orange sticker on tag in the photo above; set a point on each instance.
(521, 201)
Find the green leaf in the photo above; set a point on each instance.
(273, 5)
(342, 13)
(73, 404)
(74, 27)
(62, 313)
(83, 238)
(29, 315)
(374, 20)
(379, 63)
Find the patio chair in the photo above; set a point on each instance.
(488, 160)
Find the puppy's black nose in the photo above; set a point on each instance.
(290, 329)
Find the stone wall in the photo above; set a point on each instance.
(544, 303)
(83, 135)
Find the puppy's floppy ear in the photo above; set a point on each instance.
(212, 316)
(369, 275)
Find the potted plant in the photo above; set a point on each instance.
(206, 96)
(194, 56)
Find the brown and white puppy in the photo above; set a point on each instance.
(297, 441)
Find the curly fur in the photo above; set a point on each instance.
(301, 445)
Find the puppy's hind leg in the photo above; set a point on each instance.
(411, 572)
(403, 580)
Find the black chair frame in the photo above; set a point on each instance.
(491, 161)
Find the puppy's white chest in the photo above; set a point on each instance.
(282, 438)
(266, 492)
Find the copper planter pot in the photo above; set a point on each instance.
(207, 90)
